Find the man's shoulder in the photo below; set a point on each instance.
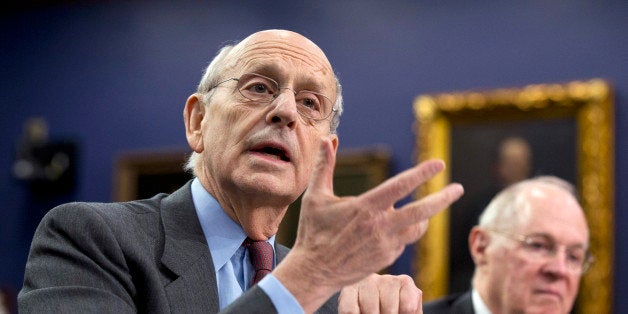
(117, 211)
(122, 212)
(452, 303)
(145, 217)
(86, 222)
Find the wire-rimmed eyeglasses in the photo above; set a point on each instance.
(261, 89)
(578, 259)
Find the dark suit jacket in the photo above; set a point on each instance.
(147, 256)
(459, 303)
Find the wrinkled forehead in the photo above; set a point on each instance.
(284, 53)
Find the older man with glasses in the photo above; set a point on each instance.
(530, 249)
(262, 128)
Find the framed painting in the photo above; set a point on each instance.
(492, 138)
(141, 174)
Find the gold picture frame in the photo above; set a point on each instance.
(588, 106)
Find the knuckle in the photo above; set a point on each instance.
(406, 279)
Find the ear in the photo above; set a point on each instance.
(334, 142)
(478, 242)
(193, 115)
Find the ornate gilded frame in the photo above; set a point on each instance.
(590, 105)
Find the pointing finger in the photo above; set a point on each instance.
(427, 207)
(386, 194)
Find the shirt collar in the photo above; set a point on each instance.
(224, 236)
(479, 307)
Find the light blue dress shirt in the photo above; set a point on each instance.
(231, 260)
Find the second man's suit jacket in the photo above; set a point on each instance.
(147, 256)
(458, 303)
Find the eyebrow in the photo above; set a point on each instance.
(274, 71)
(267, 69)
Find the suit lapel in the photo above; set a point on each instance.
(281, 251)
(187, 256)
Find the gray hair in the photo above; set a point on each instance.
(212, 76)
(504, 208)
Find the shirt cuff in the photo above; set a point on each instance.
(282, 299)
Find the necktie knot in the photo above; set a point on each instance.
(261, 256)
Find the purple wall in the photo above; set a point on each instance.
(115, 76)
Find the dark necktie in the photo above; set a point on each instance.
(261, 255)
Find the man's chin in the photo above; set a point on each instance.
(271, 187)
(547, 305)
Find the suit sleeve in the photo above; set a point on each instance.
(255, 300)
(75, 265)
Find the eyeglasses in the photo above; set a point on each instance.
(261, 89)
(540, 247)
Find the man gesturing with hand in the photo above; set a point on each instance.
(365, 232)
(262, 127)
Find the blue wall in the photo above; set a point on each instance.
(114, 76)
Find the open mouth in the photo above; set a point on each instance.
(274, 152)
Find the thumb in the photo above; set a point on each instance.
(322, 178)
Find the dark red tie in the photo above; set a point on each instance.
(261, 255)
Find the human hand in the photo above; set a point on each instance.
(341, 240)
(381, 294)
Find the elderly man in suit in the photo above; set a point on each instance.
(530, 249)
(262, 127)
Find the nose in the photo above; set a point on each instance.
(283, 110)
(557, 264)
